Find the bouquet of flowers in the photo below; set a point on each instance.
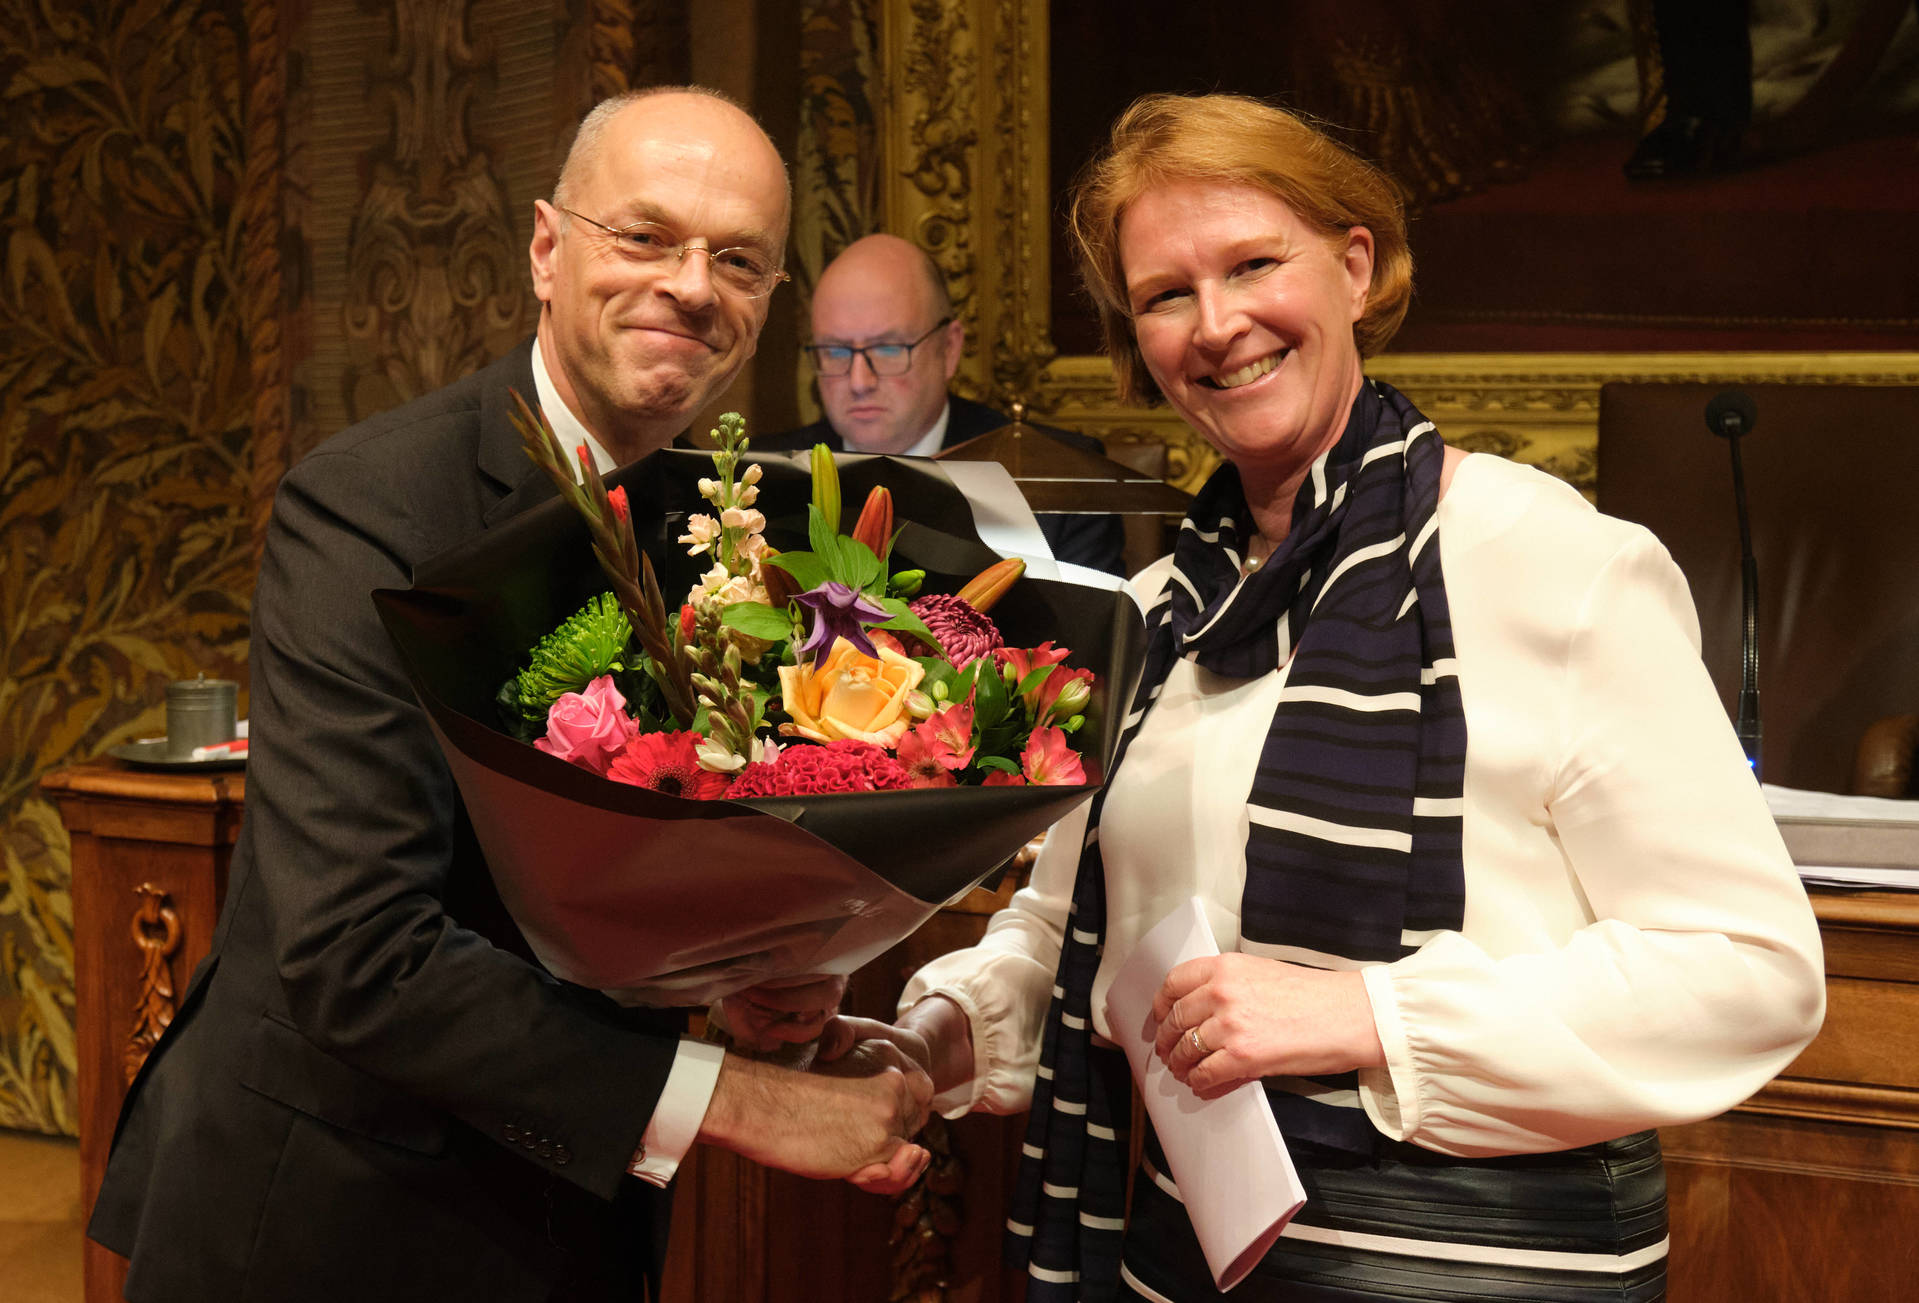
(874, 684)
(788, 770)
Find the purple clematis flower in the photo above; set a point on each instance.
(839, 612)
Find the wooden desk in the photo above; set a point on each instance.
(150, 854)
(1808, 1191)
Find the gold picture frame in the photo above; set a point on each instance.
(961, 109)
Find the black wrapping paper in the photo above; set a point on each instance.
(662, 900)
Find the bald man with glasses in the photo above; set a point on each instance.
(885, 348)
(371, 1090)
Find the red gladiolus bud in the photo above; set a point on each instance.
(586, 457)
(617, 498)
(686, 623)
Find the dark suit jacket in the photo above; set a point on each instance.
(1093, 541)
(369, 1092)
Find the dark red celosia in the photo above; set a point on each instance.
(805, 770)
(964, 633)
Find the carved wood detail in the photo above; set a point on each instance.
(434, 266)
(156, 932)
(927, 1220)
(262, 228)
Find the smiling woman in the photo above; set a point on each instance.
(1493, 891)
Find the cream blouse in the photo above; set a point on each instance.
(1637, 948)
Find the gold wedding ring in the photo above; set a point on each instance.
(1198, 1044)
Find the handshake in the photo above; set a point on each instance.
(811, 1092)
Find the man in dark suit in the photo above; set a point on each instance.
(885, 347)
(371, 1092)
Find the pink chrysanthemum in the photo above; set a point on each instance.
(842, 766)
(668, 763)
(964, 632)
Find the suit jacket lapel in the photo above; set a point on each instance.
(501, 459)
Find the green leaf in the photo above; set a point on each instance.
(1000, 763)
(903, 619)
(758, 620)
(824, 538)
(808, 571)
(990, 702)
(863, 570)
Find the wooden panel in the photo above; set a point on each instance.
(150, 854)
(1782, 1208)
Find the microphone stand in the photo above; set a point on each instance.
(1730, 415)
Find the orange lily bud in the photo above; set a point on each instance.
(875, 526)
(989, 585)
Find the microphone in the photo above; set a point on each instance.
(1730, 415)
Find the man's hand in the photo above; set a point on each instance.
(789, 1012)
(846, 1038)
(851, 1121)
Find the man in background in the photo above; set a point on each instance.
(885, 347)
(371, 1091)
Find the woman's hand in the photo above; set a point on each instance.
(935, 1034)
(1261, 1018)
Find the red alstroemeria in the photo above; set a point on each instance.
(1000, 778)
(1049, 762)
(1025, 660)
(952, 731)
(668, 763)
(924, 760)
(1057, 689)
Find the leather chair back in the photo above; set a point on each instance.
(1832, 482)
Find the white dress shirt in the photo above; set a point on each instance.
(681, 1109)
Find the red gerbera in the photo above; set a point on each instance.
(668, 763)
(843, 766)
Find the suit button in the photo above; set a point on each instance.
(562, 1155)
(511, 1133)
(545, 1149)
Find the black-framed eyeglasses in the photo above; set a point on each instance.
(745, 271)
(884, 359)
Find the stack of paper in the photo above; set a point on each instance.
(1849, 841)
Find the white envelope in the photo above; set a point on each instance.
(1226, 1154)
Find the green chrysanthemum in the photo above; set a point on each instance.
(592, 642)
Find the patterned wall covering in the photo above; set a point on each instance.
(125, 557)
(230, 228)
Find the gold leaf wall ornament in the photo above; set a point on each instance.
(931, 144)
(836, 163)
(435, 270)
(125, 398)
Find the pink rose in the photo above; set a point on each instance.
(589, 728)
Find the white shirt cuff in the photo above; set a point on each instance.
(682, 1108)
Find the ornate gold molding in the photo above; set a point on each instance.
(964, 148)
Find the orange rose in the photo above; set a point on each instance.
(850, 695)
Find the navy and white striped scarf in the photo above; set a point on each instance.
(1353, 849)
